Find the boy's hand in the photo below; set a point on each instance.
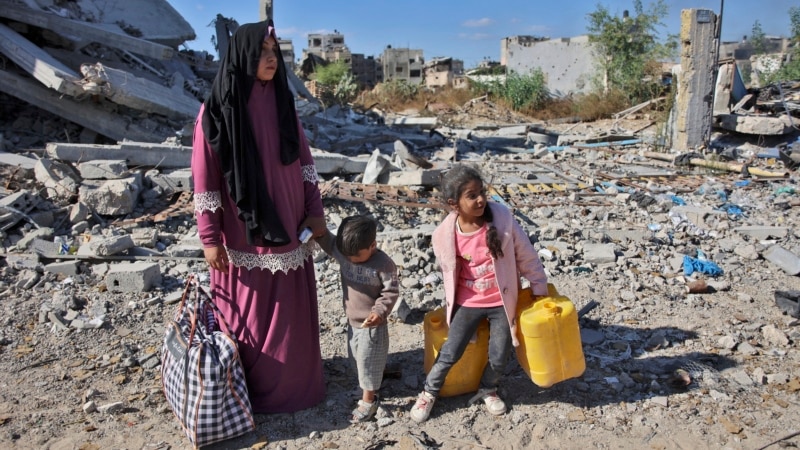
(373, 320)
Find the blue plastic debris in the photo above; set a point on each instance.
(742, 183)
(677, 200)
(691, 265)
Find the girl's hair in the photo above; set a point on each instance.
(453, 183)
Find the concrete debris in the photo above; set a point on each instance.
(98, 236)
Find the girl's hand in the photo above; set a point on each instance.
(217, 258)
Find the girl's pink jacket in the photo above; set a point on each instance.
(519, 259)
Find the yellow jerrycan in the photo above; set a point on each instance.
(465, 375)
(550, 349)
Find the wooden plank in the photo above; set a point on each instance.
(109, 35)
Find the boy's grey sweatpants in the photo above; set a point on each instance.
(369, 349)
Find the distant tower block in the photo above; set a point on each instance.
(694, 101)
(265, 10)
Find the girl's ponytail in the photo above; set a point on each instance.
(492, 236)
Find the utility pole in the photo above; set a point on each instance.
(265, 10)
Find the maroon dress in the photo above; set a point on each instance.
(269, 295)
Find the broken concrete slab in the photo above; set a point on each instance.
(138, 93)
(415, 178)
(103, 169)
(134, 153)
(759, 125)
(179, 180)
(110, 33)
(112, 197)
(425, 123)
(762, 232)
(13, 159)
(333, 163)
(87, 114)
(58, 178)
(49, 71)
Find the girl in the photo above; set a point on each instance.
(482, 251)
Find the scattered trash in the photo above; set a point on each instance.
(691, 265)
(697, 287)
(786, 190)
(677, 200)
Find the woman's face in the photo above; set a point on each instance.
(268, 62)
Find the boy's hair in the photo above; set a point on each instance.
(356, 233)
(453, 183)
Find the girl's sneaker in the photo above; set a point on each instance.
(494, 404)
(422, 408)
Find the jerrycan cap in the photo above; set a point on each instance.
(551, 307)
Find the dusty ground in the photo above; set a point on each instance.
(738, 350)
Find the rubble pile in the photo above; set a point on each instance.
(685, 263)
(682, 261)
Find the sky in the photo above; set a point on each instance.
(469, 30)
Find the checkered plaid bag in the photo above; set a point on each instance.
(201, 372)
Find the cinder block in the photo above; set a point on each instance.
(133, 277)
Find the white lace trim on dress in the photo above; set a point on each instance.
(310, 174)
(283, 262)
(207, 201)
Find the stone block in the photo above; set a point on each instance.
(103, 169)
(112, 197)
(111, 245)
(68, 268)
(133, 277)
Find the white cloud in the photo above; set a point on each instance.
(484, 22)
(475, 36)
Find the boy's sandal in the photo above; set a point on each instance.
(364, 412)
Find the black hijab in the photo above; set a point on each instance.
(228, 128)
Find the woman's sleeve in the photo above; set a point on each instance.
(207, 179)
(529, 265)
(313, 198)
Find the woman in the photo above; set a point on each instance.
(255, 191)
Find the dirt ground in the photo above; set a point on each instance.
(672, 370)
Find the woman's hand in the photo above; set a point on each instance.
(317, 225)
(217, 258)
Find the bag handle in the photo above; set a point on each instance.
(191, 280)
(219, 315)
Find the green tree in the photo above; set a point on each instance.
(791, 68)
(628, 51)
(758, 40)
(336, 82)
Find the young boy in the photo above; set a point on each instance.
(370, 290)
